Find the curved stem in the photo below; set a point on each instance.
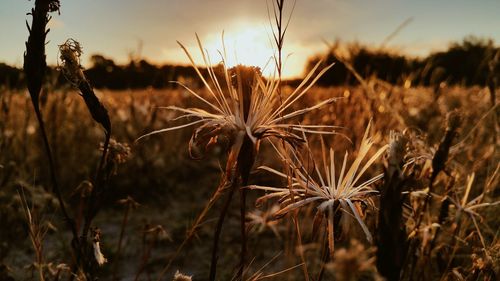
(56, 190)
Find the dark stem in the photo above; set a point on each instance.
(245, 163)
(122, 231)
(391, 235)
(443, 216)
(55, 184)
(192, 231)
(34, 68)
(325, 255)
(75, 243)
(92, 207)
(146, 256)
(218, 229)
(301, 249)
(239, 276)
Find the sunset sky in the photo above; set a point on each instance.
(114, 28)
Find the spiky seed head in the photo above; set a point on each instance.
(252, 107)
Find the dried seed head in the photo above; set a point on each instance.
(84, 189)
(481, 262)
(181, 277)
(99, 257)
(118, 153)
(69, 64)
(54, 6)
(130, 202)
(56, 269)
(396, 151)
(159, 232)
(253, 107)
(453, 120)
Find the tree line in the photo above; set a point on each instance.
(473, 61)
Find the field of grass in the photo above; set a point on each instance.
(172, 189)
(234, 176)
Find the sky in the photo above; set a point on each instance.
(150, 28)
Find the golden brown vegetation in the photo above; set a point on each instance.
(426, 211)
(457, 231)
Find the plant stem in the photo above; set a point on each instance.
(239, 276)
(92, 207)
(324, 257)
(146, 255)
(301, 249)
(218, 229)
(192, 231)
(245, 163)
(56, 190)
(122, 231)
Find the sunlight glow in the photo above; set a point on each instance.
(248, 46)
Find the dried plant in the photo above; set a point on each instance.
(69, 64)
(391, 234)
(181, 277)
(333, 196)
(262, 220)
(35, 68)
(469, 208)
(265, 118)
(36, 232)
(436, 204)
(70, 52)
(245, 109)
(129, 204)
(96, 245)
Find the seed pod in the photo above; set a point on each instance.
(441, 156)
(34, 57)
(96, 108)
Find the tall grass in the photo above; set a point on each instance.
(435, 202)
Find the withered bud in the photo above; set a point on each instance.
(130, 202)
(69, 55)
(159, 232)
(396, 151)
(54, 5)
(118, 153)
(453, 120)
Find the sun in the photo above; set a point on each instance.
(246, 45)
